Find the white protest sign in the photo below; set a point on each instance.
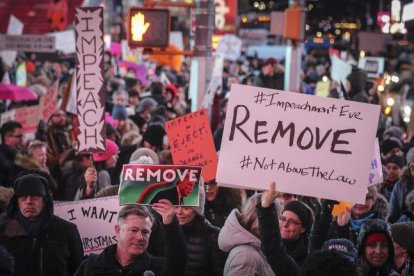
(95, 219)
(90, 79)
(215, 82)
(309, 145)
(15, 28)
(230, 47)
(373, 65)
(340, 69)
(48, 102)
(28, 43)
(376, 175)
(65, 41)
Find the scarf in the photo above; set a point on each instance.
(33, 227)
(357, 223)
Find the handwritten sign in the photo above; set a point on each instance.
(191, 142)
(89, 79)
(95, 218)
(27, 116)
(376, 175)
(310, 145)
(146, 184)
(48, 102)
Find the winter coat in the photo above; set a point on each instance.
(103, 181)
(204, 257)
(172, 265)
(365, 269)
(217, 211)
(273, 245)
(273, 82)
(246, 257)
(56, 250)
(8, 169)
(398, 194)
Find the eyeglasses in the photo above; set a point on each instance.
(284, 220)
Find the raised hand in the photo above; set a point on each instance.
(269, 196)
(343, 218)
(165, 208)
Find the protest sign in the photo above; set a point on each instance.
(28, 43)
(374, 66)
(341, 207)
(15, 28)
(48, 102)
(230, 47)
(215, 83)
(95, 218)
(309, 145)
(191, 142)
(90, 79)
(64, 41)
(146, 184)
(376, 175)
(27, 116)
(340, 69)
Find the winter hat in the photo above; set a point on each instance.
(269, 61)
(394, 131)
(171, 88)
(144, 156)
(374, 237)
(146, 104)
(111, 149)
(410, 156)
(119, 112)
(403, 235)
(345, 246)
(398, 160)
(30, 184)
(302, 211)
(154, 135)
(390, 144)
(201, 199)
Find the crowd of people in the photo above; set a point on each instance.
(232, 231)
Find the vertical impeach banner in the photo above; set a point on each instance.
(89, 79)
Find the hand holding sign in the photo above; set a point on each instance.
(343, 218)
(165, 208)
(269, 196)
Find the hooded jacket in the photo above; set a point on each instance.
(55, 250)
(245, 257)
(373, 226)
(398, 194)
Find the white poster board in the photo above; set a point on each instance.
(340, 70)
(230, 47)
(95, 219)
(309, 145)
(376, 175)
(215, 81)
(28, 43)
(15, 28)
(65, 41)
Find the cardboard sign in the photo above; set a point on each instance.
(28, 43)
(309, 145)
(15, 28)
(48, 102)
(215, 83)
(146, 184)
(191, 142)
(340, 69)
(90, 85)
(95, 218)
(65, 41)
(376, 175)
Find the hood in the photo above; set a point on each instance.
(381, 207)
(371, 226)
(233, 234)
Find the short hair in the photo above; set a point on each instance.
(248, 217)
(35, 144)
(327, 263)
(120, 92)
(8, 128)
(138, 210)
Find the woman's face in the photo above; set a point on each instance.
(359, 210)
(185, 215)
(290, 226)
(376, 253)
(111, 162)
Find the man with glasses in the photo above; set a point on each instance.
(11, 142)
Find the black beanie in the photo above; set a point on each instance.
(30, 184)
(390, 144)
(398, 160)
(302, 211)
(154, 135)
(403, 235)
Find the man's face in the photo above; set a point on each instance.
(394, 172)
(14, 139)
(39, 155)
(31, 206)
(376, 253)
(133, 234)
(185, 187)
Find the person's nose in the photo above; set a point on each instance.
(179, 210)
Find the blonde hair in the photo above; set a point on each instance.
(33, 145)
(248, 217)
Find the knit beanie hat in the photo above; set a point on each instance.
(374, 237)
(30, 184)
(111, 149)
(345, 246)
(154, 135)
(119, 112)
(397, 160)
(390, 144)
(201, 198)
(302, 211)
(403, 235)
(410, 156)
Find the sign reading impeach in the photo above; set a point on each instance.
(309, 145)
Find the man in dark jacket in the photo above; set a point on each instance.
(130, 256)
(268, 77)
(41, 243)
(12, 140)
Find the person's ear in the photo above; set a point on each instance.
(302, 229)
(117, 229)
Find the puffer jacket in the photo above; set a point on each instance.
(203, 255)
(56, 251)
(364, 268)
(245, 257)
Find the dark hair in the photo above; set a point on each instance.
(156, 88)
(8, 128)
(327, 263)
(138, 210)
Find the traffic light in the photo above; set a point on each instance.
(148, 27)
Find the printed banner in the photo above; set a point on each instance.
(95, 218)
(146, 184)
(28, 43)
(309, 145)
(48, 102)
(90, 88)
(191, 142)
